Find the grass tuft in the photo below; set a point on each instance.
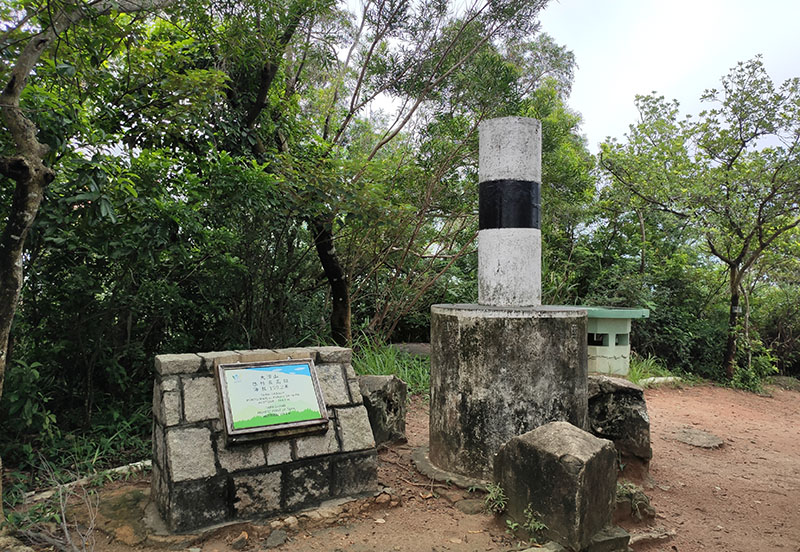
(372, 357)
(646, 367)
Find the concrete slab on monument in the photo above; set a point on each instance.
(499, 372)
(385, 400)
(618, 412)
(564, 474)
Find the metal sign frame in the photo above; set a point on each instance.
(270, 368)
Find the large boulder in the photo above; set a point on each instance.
(564, 476)
(618, 412)
(385, 400)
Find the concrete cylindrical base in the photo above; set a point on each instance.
(510, 267)
(499, 372)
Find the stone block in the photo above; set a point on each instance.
(355, 474)
(197, 503)
(159, 446)
(335, 354)
(170, 384)
(497, 373)
(167, 402)
(171, 408)
(319, 444)
(307, 484)
(257, 494)
(200, 399)
(563, 473)
(332, 384)
(355, 391)
(159, 490)
(259, 355)
(609, 539)
(189, 453)
(239, 457)
(214, 358)
(168, 365)
(279, 452)
(158, 411)
(385, 400)
(618, 412)
(352, 383)
(297, 353)
(354, 429)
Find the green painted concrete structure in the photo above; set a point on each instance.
(609, 344)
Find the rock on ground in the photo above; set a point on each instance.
(618, 412)
(385, 400)
(562, 475)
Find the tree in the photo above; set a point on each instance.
(23, 159)
(733, 174)
(411, 53)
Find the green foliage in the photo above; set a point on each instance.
(45, 512)
(645, 367)
(719, 174)
(533, 523)
(115, 438)
(371, 357)
(777, 320)
(640, 502)
(195, 153)
(755, 363)
(25, 404)
(495, 501)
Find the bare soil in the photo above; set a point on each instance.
(742, 496)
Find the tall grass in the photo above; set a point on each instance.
(646, 367)
(371, 357)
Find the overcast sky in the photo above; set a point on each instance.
(677, 48)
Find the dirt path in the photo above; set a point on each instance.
(741, 497)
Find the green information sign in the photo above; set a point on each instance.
(270, 396)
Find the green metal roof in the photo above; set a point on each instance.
(616, 312)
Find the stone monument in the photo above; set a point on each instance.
(506, 365)
(201, 478)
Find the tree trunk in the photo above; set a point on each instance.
(730, 346)
(32, 177)
(746, 296)
(340, 290)
(643, 255)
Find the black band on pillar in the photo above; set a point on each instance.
(508, 204)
